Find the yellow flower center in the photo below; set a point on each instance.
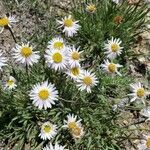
(47, 129)
(91, 8)
(10, 82)
(4, 21)
(43, 94)
(75, 71)
(114, 47)
(112, 67)
(148, 143)
(57, 58)
(68, 22)
(87, 80)
(140, 92)
(58, 45)
(72, 125)
(26, 51)
(76, 131)
(75, 55)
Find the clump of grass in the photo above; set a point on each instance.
(21, 120)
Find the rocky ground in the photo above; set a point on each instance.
(29, 22)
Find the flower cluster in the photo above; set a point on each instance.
(74, 126)
(49, 130)
(60, 57)
(66, 59)
(113, 49)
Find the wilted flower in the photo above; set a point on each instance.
(132, 2)
(77, 132)
(74, 126)
(91, 8)
(121, 104)
(118, 20)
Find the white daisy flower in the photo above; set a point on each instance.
(70, 26)
(146, 113)
(139, 92)
(86, 81)
(10, 83)
(111, 68)
(74, 126)
(74, 57)
(113, 48)
(116, 1)
(56, 44)
(77, 132)
(74, 72)
(46, 148)
(55, 147)
(44, 95)
(24, 54)
(71, 122)
(56, 59)
(7, 22)
(144, 143)
(91, 8)
(3, 61)
(48, 131)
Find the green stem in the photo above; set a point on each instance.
(132, 108)
(69, 101)
(12, 34)
(27, 71)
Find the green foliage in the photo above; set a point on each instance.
(21, 121)
(95, 109)
(99, 26)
